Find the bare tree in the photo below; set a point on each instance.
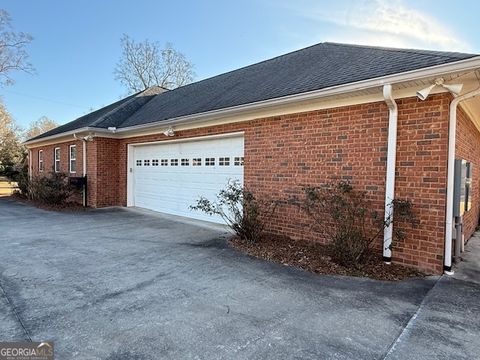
(40, 126)
(145, 64)
(13, 54)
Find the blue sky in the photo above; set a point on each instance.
(77, 43)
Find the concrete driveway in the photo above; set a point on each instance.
(124, 284)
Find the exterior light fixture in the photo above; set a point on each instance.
(169, 132)
(455, 89)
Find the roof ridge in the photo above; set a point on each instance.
(249, 65)
(441, 53)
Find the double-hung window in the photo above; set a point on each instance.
(56, 159)
(40, 160)
(73, 158)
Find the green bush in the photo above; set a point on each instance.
(346, 216)
(240, 209)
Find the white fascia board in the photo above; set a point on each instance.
(84, 130)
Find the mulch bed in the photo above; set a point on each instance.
(314, 257)
(66, 207)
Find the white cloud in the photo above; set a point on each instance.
(386, 23)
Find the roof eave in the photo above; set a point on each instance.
(87, 129)
(433, 71)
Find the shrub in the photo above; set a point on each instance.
(240, 209)
(53, 189)
(346, 216)
(23, 182)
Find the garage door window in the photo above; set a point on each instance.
(224, 161)
(238, 161)
(164, 162)
(209, 161)
(197, 162)
(146, 162)
(139, 162)
(173, 162)
(185, 162)
(155, 162)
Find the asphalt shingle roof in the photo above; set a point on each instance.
(109, 115)
(313, 68)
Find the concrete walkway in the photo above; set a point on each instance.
(121, 284)
(447, 324)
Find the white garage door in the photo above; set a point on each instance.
(172, 176)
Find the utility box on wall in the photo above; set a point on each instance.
(78, 182)
(462, 187)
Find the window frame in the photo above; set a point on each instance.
(70, 159)
(210, 161)
(55, 160)
(40, 161)
(197, 162)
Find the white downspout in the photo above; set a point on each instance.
(30, 164)
(452, 133)
(84, 163)
(390, 178)
(84, 157)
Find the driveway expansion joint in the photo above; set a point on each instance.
(15, 312)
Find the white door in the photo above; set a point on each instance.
(172, 176)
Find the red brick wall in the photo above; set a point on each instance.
(107, 171)
(285, 153)
(422, 147)
(468, 148)
(48, 153)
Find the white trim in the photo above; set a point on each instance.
(189, 139)
(131, 156)
(87, 130)
(41, 161)
(70, 159)
(433, 71)
(55, 160)
(130, 177)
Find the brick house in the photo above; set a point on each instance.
(388, 120)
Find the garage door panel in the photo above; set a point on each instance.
(172, 189)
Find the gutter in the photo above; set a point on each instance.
(433, 71)
(390, 177)
(87, 129)
(452, 132)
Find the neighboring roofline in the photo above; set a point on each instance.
(469, 64)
